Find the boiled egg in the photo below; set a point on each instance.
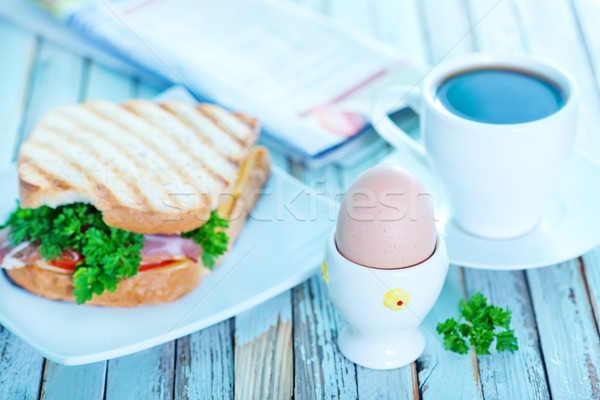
(386, 219)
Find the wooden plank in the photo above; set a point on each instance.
(56, 80)
(356, 14)
(20, 365)
(567, 331)
(146, 91)
(327, 184)
(279, 160)
(447, 29)
(519, 375)
(263, 351)
(398, 23)
(145, 375)
(326, 181)
(319, 366)
(591, 272)
(20, 368)
(263, 366)
(496, 26)
(19, 47)
(321, 371)
(107, 84)
(204, 364)
(441, 31)
(151, 372)
(510, 376)
(88, 381)
(565, 48)
(442, 372)
(322, 6)
(447, 33)
(391, 384)
(587, 12)
(591, 269)
(571, 365)
(80, 382)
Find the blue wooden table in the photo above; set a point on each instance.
(286, 346)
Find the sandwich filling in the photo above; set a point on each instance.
(74, 239)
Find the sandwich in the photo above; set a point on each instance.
(130, 204)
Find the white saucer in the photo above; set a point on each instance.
(570, 225)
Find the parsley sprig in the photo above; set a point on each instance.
(211, 237)
(110, 254)
(479, 323)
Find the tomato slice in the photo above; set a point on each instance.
(145, 266)
(69, 260)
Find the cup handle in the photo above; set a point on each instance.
(392, 99)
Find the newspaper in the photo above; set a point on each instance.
(309, 80)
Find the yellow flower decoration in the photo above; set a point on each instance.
(396, 299)
(324, 273)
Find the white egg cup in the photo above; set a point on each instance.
(383, 308)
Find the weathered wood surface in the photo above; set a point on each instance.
(567, 48)
(82, 382)
(20, 368)
(320, 370)
(511, 376)
(263, 351)
(20, 46)
(287, 346)
(20, 365)
(495, 28)
(150, 372)
(204, 364)
(567, 330)
(57, 78)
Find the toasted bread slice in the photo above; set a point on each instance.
(150, 168)
(161, 285)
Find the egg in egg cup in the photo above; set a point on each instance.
(383, 308)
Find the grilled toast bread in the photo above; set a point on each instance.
(150, 168)
(165, 284)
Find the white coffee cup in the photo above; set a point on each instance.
(496, 176)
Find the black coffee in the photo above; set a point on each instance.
(500, 96)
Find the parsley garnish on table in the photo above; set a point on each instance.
(479, 324)
(211, 237)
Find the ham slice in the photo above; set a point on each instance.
(19, 255)
(163, 247)
(4, 243)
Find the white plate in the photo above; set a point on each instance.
(280, 246)
(570, 225)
